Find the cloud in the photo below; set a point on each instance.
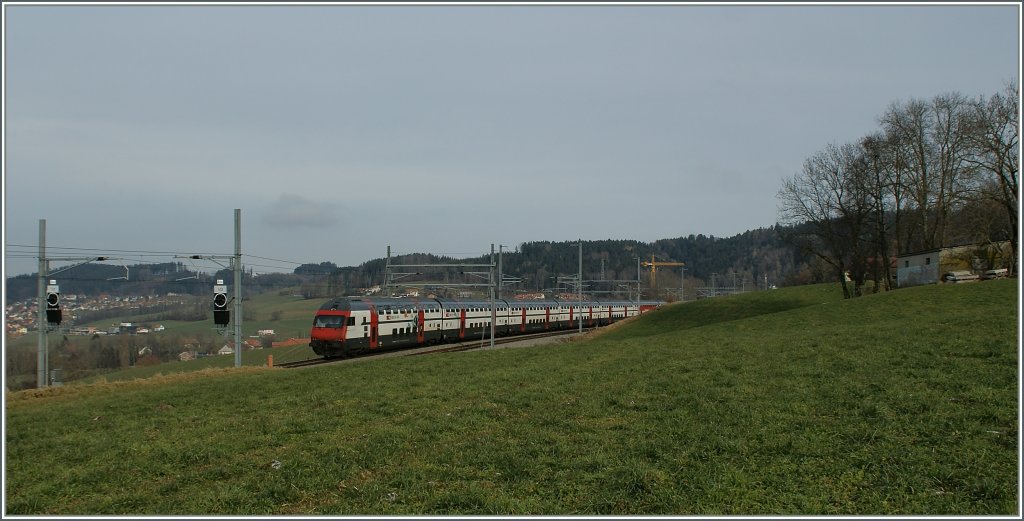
(296, 211)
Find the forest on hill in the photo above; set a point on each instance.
(747, 260)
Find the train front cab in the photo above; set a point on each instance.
(327, 337)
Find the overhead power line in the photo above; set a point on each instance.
(110, 250)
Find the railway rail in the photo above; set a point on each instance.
(481, 344)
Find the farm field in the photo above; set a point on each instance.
(788, 402)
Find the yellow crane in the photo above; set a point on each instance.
(655, 264)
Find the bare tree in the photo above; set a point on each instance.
(830, 203)
(994, 140)
(906, 127)
(931, 141)
(883, 188)
(955, 175)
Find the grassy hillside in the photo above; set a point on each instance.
(782, 402)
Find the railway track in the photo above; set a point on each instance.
(305, 363)
(481, 344)
(429, 350)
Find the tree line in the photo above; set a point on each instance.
(938, 172)
(748, 258)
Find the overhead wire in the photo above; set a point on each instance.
(29, 251)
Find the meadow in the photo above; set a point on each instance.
(786, 402)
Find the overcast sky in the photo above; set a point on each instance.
(339, 130)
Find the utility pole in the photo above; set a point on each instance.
(238, 287)
(501, 279)
(494, 311)
(41, 320)
(638, 284)
(682, 282)
(387, 272)
(579, 281)
(46, 292)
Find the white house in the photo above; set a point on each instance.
(914, 269)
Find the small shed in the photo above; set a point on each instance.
(928, 266)
(917, 268)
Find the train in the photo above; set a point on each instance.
(348, 326)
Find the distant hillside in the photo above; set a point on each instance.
(747, 259)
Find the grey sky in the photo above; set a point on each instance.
(341, 129)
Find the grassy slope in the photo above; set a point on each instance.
(783, 402)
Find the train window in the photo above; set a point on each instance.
(351, 321)
(328, 321)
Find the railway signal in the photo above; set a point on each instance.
(221, 315)
(53, 314)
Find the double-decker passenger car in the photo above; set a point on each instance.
(350, 325)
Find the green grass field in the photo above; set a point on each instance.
(789, 402)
